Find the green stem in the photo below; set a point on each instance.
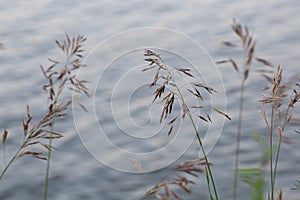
(48, 163)
(205, 156)
(3, 153)
(285, 121)
(276, 161)
(208, 184)
(271, 152)
(198, 137)
(238, 138)
(11, 161)
(195, 129)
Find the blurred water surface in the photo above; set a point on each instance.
(28, 30)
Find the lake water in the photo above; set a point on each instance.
(94, 161)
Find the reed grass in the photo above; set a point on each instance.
(277, 109)
(279, 117)
(248, 45)
(164, 79)
(60, 76)
(254, 177)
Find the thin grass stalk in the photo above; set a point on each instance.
(276, 161)
(57, 83)
(11, 161)
(238, 138)
(279, 145)
(49, 153)
(3, 154)
(248, 45)
(32, 138)
(277, 99)
(208, 184)
(205, 157)
(155, 60)
(35, 134)
(48, 163)
(271, 152)
(199, 139)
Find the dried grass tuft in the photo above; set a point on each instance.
(164, 79)
(168, 189)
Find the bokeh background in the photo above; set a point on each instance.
(28, 30)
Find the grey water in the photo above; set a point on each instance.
(94, 159)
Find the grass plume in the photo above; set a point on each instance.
(280, 106)
(60, 75)
(167, 189)
(248, 45)
(164, 79)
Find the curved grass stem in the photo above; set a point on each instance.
(3, 154)
(11, 161)
(285, 121)
(238, 138)
(205, 156)
(199, 140)
(271, 152)
(47, 172)
(248, 54)
(48, 163)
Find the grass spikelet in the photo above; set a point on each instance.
(164, 79)
(59, 76)
(166, 189)
(4, 136)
